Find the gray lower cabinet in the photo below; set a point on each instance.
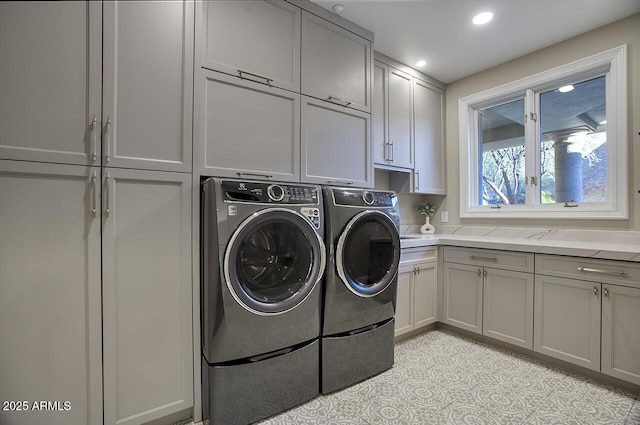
(508, 306)
(490, 292)
(428, 127)
(51, 81)
(462, 296)
(620, 336)
(50, 295)
(417, 300)
(247, 129)
(567, 320)
(147, 300)
(148, 85)
(253, 40)
(336, 64)
(335, 145)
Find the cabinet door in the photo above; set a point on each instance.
(404, 300)
(247, 129)
(336, 64)
(379, 108)
(462, 298)
(508, 306)
(620, 336)
(400, 119)
(256, 40)
(425, 294)
(50, 318)
(567, 320)
(428, 108)
(336, 145)
(148, 84)
(51, 76)
(146, 245)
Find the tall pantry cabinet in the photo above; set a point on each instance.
(95, 211)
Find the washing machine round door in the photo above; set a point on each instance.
(273, 261)
(368, 253)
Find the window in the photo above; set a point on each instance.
(549, 146)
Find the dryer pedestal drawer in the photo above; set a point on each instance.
(349, 359)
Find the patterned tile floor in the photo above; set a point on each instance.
(442, 378)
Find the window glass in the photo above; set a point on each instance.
(573, 143)
(501, 153)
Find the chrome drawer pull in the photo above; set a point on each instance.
(345, 101)
(267, 176)
(603, 272)
(241, 73)
(478, 258)
(339, 181)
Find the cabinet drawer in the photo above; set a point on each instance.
(518, 261)
(604, 271)
(418, 255)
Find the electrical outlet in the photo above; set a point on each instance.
(444, 216)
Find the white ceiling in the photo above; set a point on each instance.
(441, 32)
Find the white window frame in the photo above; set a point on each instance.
(611, 63)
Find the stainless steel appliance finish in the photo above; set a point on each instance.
(363, 243)
(263, 260)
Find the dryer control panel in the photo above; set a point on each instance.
(269, 193)
(364, 198)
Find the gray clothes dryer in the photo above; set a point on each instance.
(263, 259)
(363, 243)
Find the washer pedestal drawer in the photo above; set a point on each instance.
(348, 359)
(240, 394)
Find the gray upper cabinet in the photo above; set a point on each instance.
(247, 129)
(51, 80)
(428, 117)
(336, 64)
(254, 40)
(147, 298)
(379, 107)
(400, 146)
(148, 85)
(336, 145)
(50, 304)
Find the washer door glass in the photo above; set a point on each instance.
(273, 261)
(368, 253)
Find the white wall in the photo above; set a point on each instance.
(626, 31)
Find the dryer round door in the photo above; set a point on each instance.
(368, 253)
(273, 261)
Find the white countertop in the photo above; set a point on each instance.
(604, 245)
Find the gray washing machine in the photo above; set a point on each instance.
(263, 259)
(363, 243)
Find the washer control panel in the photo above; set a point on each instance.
(269, 193)
(364, 198)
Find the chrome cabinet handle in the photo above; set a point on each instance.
(94, 138)
(416, 181)
(606, 292)
(339, 181)
(603, 272)
(392, 151)
(267, 176)
(484, 273)
(387, 149)
(107, 208)
(108, 139)
(94, 200)
(479, 272)
(345, 101)
(595, 291)
(478, 258)
(241, 74)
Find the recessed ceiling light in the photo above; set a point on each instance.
(482, 18)
(337, 9)
(421, 63)
(566, 89)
